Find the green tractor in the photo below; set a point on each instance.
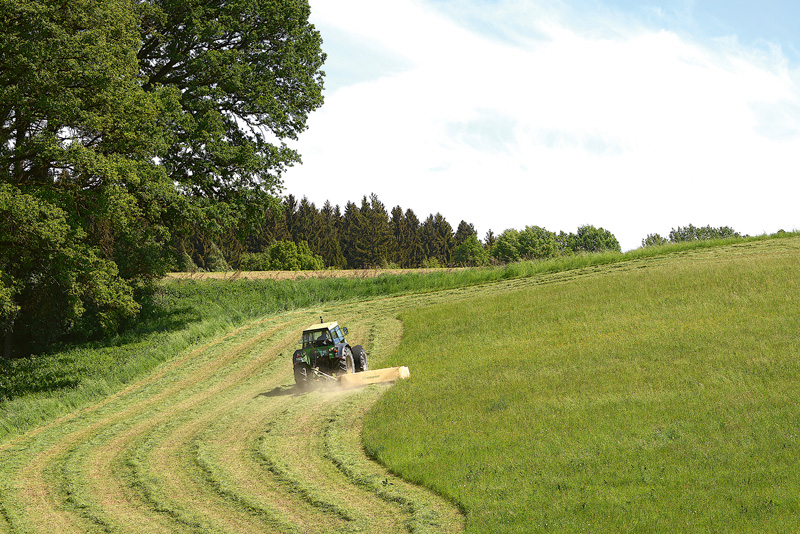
(326, 355)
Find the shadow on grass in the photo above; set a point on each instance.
(66, 365)
(281, 391)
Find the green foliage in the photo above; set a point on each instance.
(53, 282)
(375, 241)
(186, 263)
(506, 247)
(248, 73)
(282, 256)
(653, 240)
(692, 233)
(406, 229)
(431, 263)
(464, 232)
(215, 260)
(591, 239)
(470, 253)
(436, 237)
(536, 243)
(138, 125)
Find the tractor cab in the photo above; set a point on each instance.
(323, 335)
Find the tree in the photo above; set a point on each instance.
(169, 123)
(436, 235)
(463, 232)
(534, 242)
(330, 247)
(51, 280)
(470, 253)
(653, 240)
(375, 239)
(248, 73)
(506, 248)
(282, 256)
(398, 227)
(411, 244)
(591, 239)
(83, 162)
(352, 229)
(307, 224)
(489, 239)
(692, 233)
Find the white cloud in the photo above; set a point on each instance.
(633, 129)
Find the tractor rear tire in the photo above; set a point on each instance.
(360, 359)
(302, 376)
(346, 363)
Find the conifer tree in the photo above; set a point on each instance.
(377, 240)
(330, 247)
(464, 231)
(412, 240)
(352, 229)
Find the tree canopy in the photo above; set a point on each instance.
(126, 126)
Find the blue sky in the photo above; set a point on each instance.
(637, 117)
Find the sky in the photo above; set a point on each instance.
(637, 117)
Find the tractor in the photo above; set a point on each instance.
(326, 355)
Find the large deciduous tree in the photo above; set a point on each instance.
(249, 74)
(124, 123)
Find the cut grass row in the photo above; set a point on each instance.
(218, 441)
(644, 399)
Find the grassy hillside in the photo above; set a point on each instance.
(649, 396)
(186, 313)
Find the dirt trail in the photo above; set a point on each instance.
(219, 440)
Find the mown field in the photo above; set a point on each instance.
(650, 392)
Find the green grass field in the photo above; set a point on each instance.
(655, 397)
(653, 391)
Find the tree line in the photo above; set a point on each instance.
(368, 235)
(690, 233)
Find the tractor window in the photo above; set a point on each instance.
(337, 335)
(317, 338)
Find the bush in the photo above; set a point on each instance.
(215, 260)
(470, 253)
(282, 256)
(431, 263)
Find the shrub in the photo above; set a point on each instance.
(282, 256)
(470, 253)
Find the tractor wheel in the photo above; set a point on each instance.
(360, 359)
(302, 376)
(346, 363)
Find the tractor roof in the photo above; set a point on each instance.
(321, 326)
